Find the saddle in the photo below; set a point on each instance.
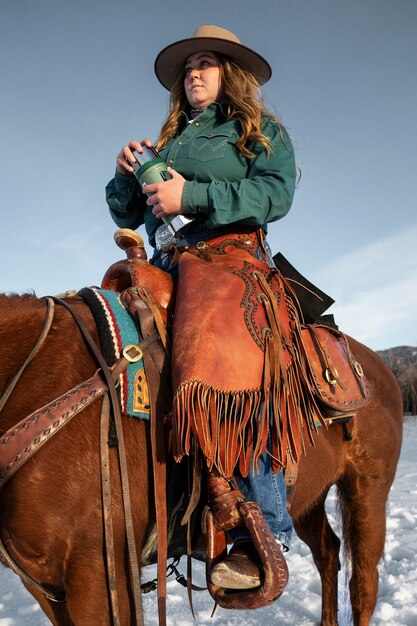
(301, 376)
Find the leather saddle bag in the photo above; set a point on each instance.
(336, 377)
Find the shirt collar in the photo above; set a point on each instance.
(216, 109)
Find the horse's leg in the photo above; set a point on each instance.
(364, 515)
(314, 529)
(86, 592)
(88, 599)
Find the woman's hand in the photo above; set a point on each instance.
(125, 156)
(166, 196)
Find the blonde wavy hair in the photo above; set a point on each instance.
(242, 101)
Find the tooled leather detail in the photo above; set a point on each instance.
(250, 302)
(20, 442)
(241, 243)
(249, 242)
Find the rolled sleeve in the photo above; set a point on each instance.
(195, 198)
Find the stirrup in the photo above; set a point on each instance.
(274, 570)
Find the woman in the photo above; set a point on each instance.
(233, 172)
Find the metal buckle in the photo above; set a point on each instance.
(329, 378)
(201, 245)
(136, 357)
(262, 298)
(358, 369)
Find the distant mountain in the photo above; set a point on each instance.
(403, 362)
(402, 354)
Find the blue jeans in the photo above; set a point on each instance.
(268, 490)
(264, 487)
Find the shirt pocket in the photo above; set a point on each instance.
(209, 146)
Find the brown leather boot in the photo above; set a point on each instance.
(240, 569)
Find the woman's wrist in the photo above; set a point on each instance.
(123, 173)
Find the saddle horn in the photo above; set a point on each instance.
(136, 271)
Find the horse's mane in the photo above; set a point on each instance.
(12, 297)
(11, 302)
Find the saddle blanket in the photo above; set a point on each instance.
(117, 329)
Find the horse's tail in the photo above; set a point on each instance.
(346, 512)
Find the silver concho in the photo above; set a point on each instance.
(164, 237)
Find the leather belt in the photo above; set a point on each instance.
(249, 240)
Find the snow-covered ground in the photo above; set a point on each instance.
(300, 603)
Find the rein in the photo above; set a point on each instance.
(96, 387)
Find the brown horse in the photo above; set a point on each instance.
(50, 513)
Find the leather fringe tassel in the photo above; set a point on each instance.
(233, 428)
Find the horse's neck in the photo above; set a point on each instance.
(21, 320)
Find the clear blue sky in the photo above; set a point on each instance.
(77, 83)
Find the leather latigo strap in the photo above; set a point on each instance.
(237, 364)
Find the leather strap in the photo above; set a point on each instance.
(106, 499)
(24, 439)
(127, 506)
(155, 363)
(224, 502)
(291, 474)
(21, 441)
(186, 519)
(140, 304)
(6, 558)
(246, 239)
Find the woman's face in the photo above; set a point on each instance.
(203, 81)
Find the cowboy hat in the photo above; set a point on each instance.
(171, 60)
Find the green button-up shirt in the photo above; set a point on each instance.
(223, 187)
